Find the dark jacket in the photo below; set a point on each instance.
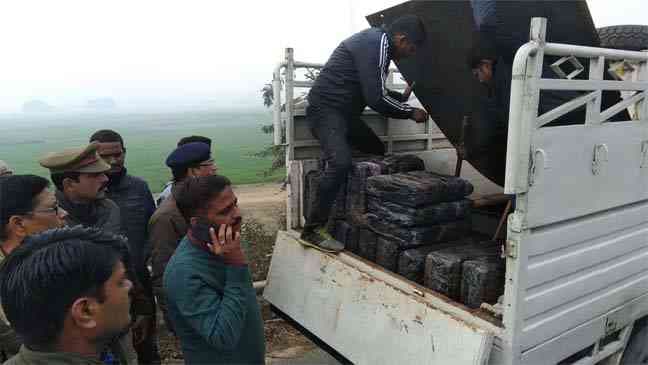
(102, 213)
(136, 207)
(105, 214)
(214, 309)
(9, 342)
(355, 75)
(166, 228)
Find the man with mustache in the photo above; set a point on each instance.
(135, 201)
(211, 301)
(79, 175)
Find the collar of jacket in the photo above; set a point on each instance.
(54, 358)
(118, 181)
(86, 213)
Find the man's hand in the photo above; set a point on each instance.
(408, 91)
(419, 115)
(228, 244)
(141, 329)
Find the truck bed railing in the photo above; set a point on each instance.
(527, 84)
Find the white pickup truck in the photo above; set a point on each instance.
(576, 243)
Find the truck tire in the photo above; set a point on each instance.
(629, 37)
(636, 351)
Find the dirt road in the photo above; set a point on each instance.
(265, 203)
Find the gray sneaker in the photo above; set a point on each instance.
(320, 239)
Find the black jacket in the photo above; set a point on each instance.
(355, 75)
(136, 206)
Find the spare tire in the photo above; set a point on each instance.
(628, 37)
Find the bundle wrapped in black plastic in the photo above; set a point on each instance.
(417, 236)
(411, 262)
(356, 205)
(443, 268)
(418, 188)
(367, 244)
(311, 196)
(482, 280)
(346, 234)
(387, 251)
(405, 216)
(356, 187)
(401, 163)
(311, 191)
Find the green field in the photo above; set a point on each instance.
(149, 138)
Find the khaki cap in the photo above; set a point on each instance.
(82, 159)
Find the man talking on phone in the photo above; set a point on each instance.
(211, 301)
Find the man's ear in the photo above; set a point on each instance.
(16, 226)
(67, 182)
(190, 172)
(83, 312)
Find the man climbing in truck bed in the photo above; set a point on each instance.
(353, 78)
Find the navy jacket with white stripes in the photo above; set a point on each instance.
(355, 75)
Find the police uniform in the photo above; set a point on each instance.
(101, 213)
(167, 226)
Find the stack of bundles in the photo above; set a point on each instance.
(348, 212)
(472, 273)
(356, 200)
(414, 209)
(411, 262)
(311, 196)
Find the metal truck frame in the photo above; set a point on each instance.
(577, 241)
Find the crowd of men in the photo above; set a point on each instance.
(75, 282)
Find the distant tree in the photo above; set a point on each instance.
(276, 152)
(268, 95)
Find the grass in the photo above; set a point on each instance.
(148, 137)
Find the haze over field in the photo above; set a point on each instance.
(151, 55)
(149, 138)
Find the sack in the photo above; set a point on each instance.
(411, 262)
(387, 252)
(482, 280)
(367, 244)
(405, 216)
(416, 236)
(418, 188)
(443, 268)
(356, 205)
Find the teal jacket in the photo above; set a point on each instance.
(213, 308)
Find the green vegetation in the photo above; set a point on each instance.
(149, 138)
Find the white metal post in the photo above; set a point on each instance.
(593, 111)
(289, 107)
(525, 96)
(276, 94)
(642, 108)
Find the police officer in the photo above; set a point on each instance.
(167, 225)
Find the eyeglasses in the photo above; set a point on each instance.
(55, 209)
(206, 163)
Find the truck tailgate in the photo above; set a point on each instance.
(370, 315)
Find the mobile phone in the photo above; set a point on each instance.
(200, 230)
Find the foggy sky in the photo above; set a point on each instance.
(144, 52)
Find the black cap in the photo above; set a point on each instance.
(189, 154)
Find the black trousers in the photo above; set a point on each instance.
(338, 132)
